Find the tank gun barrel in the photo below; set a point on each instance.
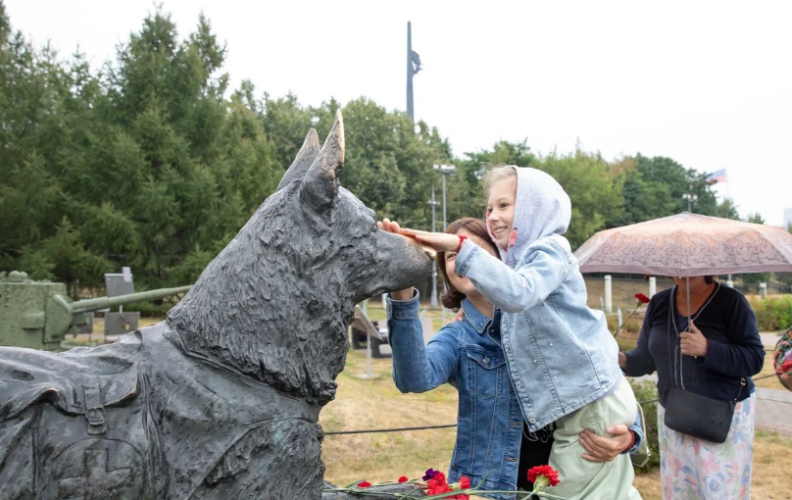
(88, 305)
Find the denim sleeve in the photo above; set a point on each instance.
(638, 432)
(419, 368)
(744, 356)
(514, 290)
(640, 361)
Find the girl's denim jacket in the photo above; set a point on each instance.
(560, 353)
(468, 355)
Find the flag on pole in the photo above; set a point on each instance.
(718, 176)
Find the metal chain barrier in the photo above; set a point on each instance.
(371, 431)
(448, 426)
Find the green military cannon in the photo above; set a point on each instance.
(39, 314)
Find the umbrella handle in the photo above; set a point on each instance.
(690, 320)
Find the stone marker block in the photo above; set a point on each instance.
(121, 323)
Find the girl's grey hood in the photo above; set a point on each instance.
(543, 209)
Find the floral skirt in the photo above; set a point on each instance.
(691, 468)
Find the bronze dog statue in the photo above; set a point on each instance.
(220, 400)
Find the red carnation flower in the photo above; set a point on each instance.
(403, 479)
(542, 476)
(437, 484)
(643, 299)
(364, 484)
(436, 487)
(464, 483)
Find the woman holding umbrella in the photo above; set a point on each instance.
(701, 338)
(713, 356)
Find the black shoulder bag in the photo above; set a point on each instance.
(692, 414)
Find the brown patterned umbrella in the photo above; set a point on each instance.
(688, 245)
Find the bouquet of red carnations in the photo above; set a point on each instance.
(433, 485)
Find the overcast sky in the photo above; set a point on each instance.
(706, 83)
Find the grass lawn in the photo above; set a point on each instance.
(377, 404)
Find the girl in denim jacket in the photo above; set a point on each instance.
(493, 444)
(560, 355)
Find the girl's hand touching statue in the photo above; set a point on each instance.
(441, 242)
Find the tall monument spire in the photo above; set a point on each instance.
(413, 67)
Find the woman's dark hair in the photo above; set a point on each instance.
(452, 298)
(707, 279)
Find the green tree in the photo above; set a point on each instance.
(387, 164)
(680, 182)
(147, 165)
(41, 101)
(465, 192)
(285, 123)
(596, 196)
(755, 218)
(643, 200)
(726, 209)
(753, 280)
(656, 187)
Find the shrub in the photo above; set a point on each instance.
(773, 313)
(149, 309)
(647, 391)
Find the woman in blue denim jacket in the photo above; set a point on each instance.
(493, 443)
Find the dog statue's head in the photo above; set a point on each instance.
(276, 303)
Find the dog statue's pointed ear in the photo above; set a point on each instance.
(303, 161)
(320, 184)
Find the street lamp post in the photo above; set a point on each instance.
(445, 170)
(691, 199)
(434, 204)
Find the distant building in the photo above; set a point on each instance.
(788, 217)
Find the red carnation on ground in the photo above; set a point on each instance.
(543, 476)
(437, 484)
(464, 483)
(643, 299)
(364, 484)
(436, 487)
(403, 479)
